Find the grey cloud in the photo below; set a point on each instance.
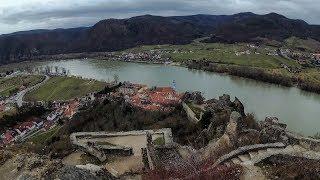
(84, 14)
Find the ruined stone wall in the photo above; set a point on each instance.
(100, 153)
(167, 134)
(309, 143)
(190, 114)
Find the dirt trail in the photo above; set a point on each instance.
(252, 172)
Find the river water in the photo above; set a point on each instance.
(300, 110)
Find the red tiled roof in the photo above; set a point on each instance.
(8, 137)
(155, 99)
(47, 125)
(24, 126)
(71, 108)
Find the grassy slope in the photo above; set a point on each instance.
(308, 45)
(64, 88)
(225, 54)
(10, 85)
(221, 53)
(312, 75)
(43, 137)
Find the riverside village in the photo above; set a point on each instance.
(128, 130)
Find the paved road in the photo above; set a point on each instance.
(18, 98)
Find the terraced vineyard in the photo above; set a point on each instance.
(64, 88)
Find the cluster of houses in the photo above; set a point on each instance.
(301, 58)
(253, 49)
(150, 99)
(24, 130)
(21, 131)
(152, 55)
(4, 106)
(247, 52)
(316, 59)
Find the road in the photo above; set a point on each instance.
(18, 98)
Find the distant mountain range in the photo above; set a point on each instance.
(118, 34)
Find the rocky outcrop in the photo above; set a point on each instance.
(248, 137)
(71, 172)
(29, 166)
(32, 166)
(273, 131)
(238, 106)
(226, 143)
(195, 97)
(217, 114)
(224, 103)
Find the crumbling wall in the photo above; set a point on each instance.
(190, 114)
(226, 143)
(101, 151)
(308, 143)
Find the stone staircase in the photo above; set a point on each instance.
(249, 159)
(254, 157)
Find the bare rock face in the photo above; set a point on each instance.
(225, 100)
(217, 148)
(225, 104)
(195, 97)
(35, 162)
(239, 106)
(4, 156)
(232, 127)
(273, 131)
(235, 117)
(227, 142)
(248, 137)
(70, 172)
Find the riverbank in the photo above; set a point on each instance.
(303, 81)
(258, 74)
(259, 62)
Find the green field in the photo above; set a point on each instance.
(225, 54)
(221, 53)
(64, 88)
(9, 86)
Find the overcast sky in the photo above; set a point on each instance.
(18, 15)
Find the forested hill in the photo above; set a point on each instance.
(118, 34)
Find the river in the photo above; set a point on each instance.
(300, 110)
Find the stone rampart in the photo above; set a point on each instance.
(190, 114)
(100, 151)
(309, 143)
(245, 149)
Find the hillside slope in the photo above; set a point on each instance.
(270, 26)
(118, 34)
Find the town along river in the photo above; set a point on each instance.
(300, 110)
